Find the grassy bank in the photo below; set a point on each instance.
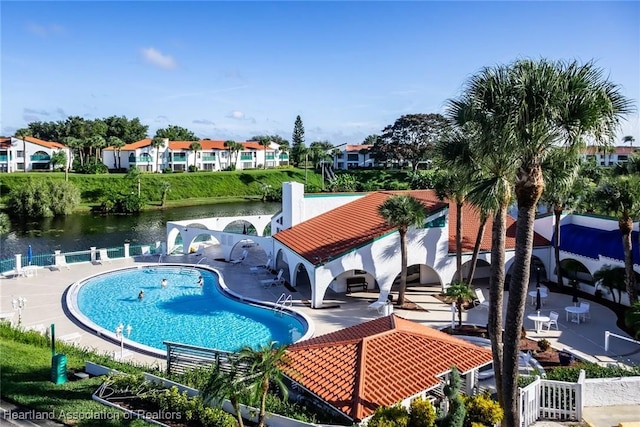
(25, 373)
(185, 188)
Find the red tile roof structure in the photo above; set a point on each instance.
(358, 223)
(379, 362)
(621, 149)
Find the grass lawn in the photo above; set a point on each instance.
(25, 372)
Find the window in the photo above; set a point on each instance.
(20, 153)
(352, 157)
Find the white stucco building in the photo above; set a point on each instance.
(30, 154)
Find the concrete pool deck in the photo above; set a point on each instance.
(45, 293)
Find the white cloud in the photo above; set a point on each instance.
(44, 30)
(237, 115)
(158, 59)
(203, 122)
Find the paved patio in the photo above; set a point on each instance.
(45, 295)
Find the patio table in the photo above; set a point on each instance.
(576, 312)
(538, 320)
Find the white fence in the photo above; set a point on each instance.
(551, 400)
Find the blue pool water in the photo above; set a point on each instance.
(181, 311)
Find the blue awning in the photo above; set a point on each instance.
(592, 242)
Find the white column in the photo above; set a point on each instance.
(93, 253)
(126, 250)
(18, 262)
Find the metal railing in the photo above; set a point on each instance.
(49, 259)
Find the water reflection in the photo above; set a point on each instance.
(81, 231)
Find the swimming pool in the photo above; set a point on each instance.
(181, 311)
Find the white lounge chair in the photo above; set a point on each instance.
(261, 268)
(480, 299)
(61, 261)
(278, 280)
(104, 258)
(239, 260)
(145, 251)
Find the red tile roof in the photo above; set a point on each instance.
(621, 149)
(347, 227)
(380, 362)
(358, 223)
(43, 143)
(358, 147)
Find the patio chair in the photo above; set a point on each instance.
(104, 258)
(480, 300)
(585, 306)
(553, 321)
(145, 251)
(278, 280)
(239, 260)
(262, 267)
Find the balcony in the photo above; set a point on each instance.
(141, 159)
(246, 157)
(210, 158)
(179, 158)
(270, 156)
(4, 158)
(284, 156)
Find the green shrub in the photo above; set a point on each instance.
(421, 413)
(544, 345)
(43, 198)
(389, 416)
(456, 415)
(483, 410)
(592, 370)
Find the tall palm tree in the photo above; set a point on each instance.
(23, 134)
(264, 368)
(550, 103)
(195, 146)
(621, 196)
(157, 143)
(117, 145)
(229, 144)
(96, 142)
(265, 142)
(480, 111)
(560, 170)
(402, 211)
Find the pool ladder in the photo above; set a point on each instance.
(283, 302)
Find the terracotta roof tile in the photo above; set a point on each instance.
(358, 223)
(379, 362)
(43, 143)
(347, 227)
(352, 148)
(207, 144)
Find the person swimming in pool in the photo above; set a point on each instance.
(140, 295)
(200, 281)
(164, 283)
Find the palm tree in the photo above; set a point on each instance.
(621, 196)
(23, 134)
(550, 103)
(630, 139)
(632, 319)
(402, 211)
(460, 293)
(611, 278)
(157, 143)
(166, 187)
(264, 368)
(560, 171)
(134, 174)
(265, 142)
(195, 146)
(96, 142)
(117, 145)
(229, 144)
(229, 384)
(476, 112)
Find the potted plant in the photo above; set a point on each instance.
(565, 358)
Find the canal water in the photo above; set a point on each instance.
(79, 232)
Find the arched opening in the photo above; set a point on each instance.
(419, 276)
(281, 262)
(572, 269)
(481, 274)
(201, 242)
(241, 226)
(256, 255)
(302, 280)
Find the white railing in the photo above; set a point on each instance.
(608, 334)
(551, 400)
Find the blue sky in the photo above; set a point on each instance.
(231, 70)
